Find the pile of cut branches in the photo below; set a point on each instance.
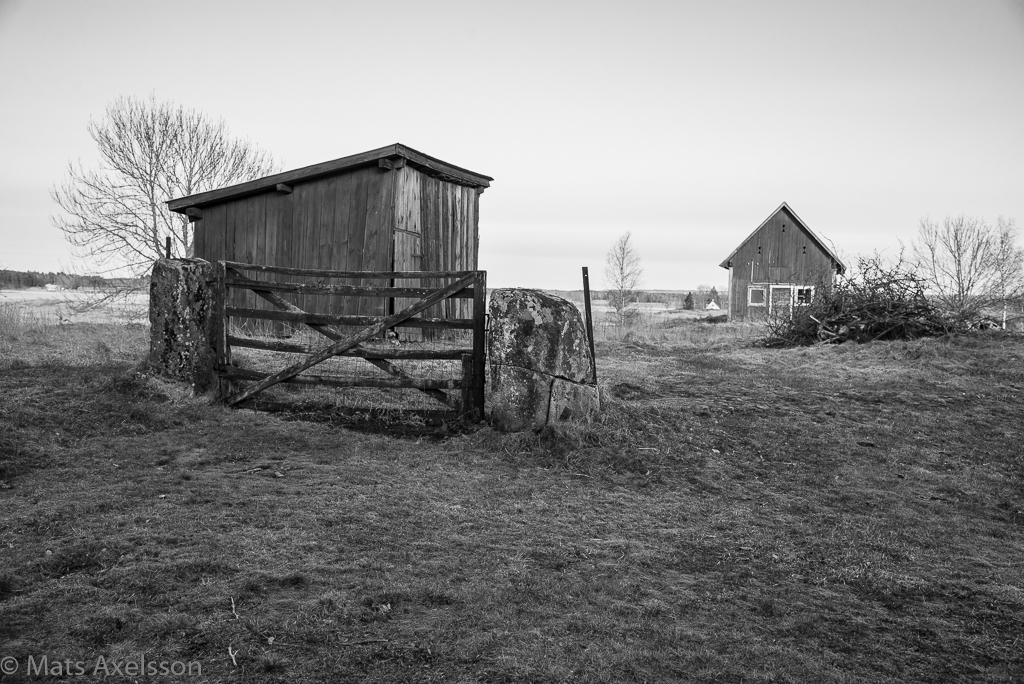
(876, 302)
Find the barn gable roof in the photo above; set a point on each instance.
(840, 266)
(418, 160)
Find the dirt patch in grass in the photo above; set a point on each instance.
(735, 514)
(393, 423)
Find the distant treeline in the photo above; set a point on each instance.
(21, 280)
(686, 299)
(642, 297)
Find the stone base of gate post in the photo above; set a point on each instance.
(182, 322)
(540, 363)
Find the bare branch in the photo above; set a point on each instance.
(115, 216)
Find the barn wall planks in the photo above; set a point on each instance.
(449, 234)
(366, 218)
(198, 238)
(305, 198)
(357, 229)
(232, 247)
(377, 241)
(408, 235)
(211, 248)
(342, 210)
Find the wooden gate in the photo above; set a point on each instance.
(365, 340)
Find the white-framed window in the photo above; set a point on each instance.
(755, 296)
(780, 296)
(803, 295)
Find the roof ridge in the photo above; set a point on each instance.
(422, 161)
(814, 236)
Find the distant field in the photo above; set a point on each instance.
(650, 308)
(652, 317)
(72, 306)
(69, 304)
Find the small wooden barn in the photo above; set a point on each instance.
(780, 265)
(389, 209)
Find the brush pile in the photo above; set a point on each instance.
(877, 302)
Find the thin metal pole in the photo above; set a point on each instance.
(168, 246)
(590, 320)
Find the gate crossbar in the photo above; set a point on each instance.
(349, 342)
(326, 331)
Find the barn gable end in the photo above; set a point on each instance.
(782, 263)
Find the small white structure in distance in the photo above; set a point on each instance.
(711, 306)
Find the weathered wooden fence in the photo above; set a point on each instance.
(402, 298)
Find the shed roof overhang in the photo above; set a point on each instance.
(430, 165)
(840, 266)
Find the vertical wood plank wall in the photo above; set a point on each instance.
(448, 216)
(782, 259)
(408, 247)
(366, 219)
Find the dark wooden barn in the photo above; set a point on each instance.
(390, 209)
(780, 265)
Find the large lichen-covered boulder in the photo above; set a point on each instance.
(182, 323)
(541, 369)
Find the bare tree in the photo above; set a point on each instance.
(968, 264)
(703, 296)
(1008, 284)
(624, 273)
(114, 216)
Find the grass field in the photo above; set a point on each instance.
(828, 514)
(77, 306)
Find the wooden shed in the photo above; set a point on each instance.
(780, 265)
(389, 209)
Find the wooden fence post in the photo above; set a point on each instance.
(468, 385)
(479, 346)
(225, 387)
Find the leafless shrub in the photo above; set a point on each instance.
(875, 301)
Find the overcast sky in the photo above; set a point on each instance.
(686, 123)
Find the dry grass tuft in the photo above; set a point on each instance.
(29, 338)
